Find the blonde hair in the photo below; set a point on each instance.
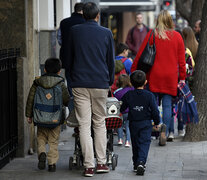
(190, 40)
(164, 23)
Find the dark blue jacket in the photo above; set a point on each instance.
(142, 106)
(90, 60)
(65, 26)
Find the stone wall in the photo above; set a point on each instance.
(17, 31)
(13, 27)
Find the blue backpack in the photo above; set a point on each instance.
(47, 107)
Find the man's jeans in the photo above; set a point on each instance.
(166, 108)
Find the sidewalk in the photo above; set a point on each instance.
(176, 161)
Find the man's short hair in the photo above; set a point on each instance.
(121, 47)
(78, 7)
(139, 13)
(53, 65)
(90, 10)
(138, 78)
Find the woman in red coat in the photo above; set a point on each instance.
(169, 65)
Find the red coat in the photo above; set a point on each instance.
(169, 65)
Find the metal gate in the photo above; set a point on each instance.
(8, 105)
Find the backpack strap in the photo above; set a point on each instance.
(123, 60)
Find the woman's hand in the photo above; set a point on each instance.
(182, 81)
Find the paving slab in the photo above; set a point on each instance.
(177, 160)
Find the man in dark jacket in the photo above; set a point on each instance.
(90, 63)
(63, 35)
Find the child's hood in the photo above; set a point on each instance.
(48, 81)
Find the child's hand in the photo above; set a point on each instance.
(29, 120)
(130, 59)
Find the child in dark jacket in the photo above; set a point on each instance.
(142, 110)
(47, 135)
(124, 85)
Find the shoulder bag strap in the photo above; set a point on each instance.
(152, 32)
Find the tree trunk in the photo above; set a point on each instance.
(190, 10)
(182, 6)
(196, 11)
(198, 132)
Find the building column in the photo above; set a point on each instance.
(63, 10)
(21, 35)
(46, 14)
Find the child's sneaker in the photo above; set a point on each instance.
(89, 172)
(162, 138)
(181, 133)
(141, 169)
(120, 142)
(127, 144)
(30, 151)
(42, 160)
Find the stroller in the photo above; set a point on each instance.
(113, 121)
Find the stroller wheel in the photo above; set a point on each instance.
(70, 163)
(116, 155)
(114, 163)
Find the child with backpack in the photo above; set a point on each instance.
(122, 64)
(124, 85)
(142, 110)
(44, 106)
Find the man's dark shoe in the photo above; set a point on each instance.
(42, 160)
(141, 169)
(89, 172)
(52, 168)
(102, 168)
